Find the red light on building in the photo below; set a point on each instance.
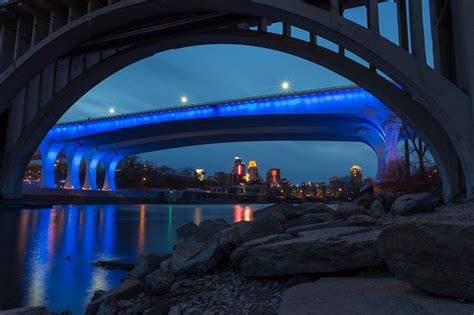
(239, 169)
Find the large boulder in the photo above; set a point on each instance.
(354, 295)
(159, 282)
(267, 224)
(196, 257)
(376, 209)
(314, 252)
(365, 200)
(187, 232)
(387, 199)
(309, 207)
(346, 209)
(414, 203)
(282, 208)
(317, 226)
(209, 228)
(229, 239)
(125, 290)
(437, 257)
(238, 254)
(310, 218)
(145, 264)
(360, 220)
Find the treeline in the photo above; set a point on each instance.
(134, 173)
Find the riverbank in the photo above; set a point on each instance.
(267, 266)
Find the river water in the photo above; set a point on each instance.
(46, 254)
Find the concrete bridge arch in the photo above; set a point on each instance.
(423, 102)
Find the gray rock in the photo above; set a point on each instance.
(346, 209)
(317, 226)
(315, 252)
(187, 232)
(145, 264)
(413, 203)
(208, 229)
(98, 294)
(360, 220)
(365, 201)
(387, 199)
(108, 308)
(339, 231)
(28, 310)
(308, 207)
(437, 257)
(238, 254)
(196, 257)
(174, 310)
(360, 296)
(163, 307)
(267, 224)
(125, 290)
(310, 218)
(159, 282)
(376, 209)
(229, 239)
(298, 279)
(281, 208)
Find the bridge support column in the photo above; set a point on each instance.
(49, 155)
(74, 158)
(92, 161)
(110, 163)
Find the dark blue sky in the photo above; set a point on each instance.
(219, 72)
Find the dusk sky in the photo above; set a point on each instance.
(220, 72)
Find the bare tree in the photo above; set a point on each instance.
(418, 146)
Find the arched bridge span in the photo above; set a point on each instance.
(52, 50)
(344, 114)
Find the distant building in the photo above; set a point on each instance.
(274, 177)
(252, 176)
(238, 171)
(336, 187)
(355, 181)
(200, 174)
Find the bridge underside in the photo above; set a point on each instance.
(51, 54)
(110, 147)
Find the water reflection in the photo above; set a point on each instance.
(243, 213)
(197, 215)
(46, 253)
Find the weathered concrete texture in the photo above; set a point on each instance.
(317, 251)
(437, 257)
(362, 296)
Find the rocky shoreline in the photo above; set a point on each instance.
(267, 266)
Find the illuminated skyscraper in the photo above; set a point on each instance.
(253, 172)
(273, 176)
(200, 174)
(238, 171)
(356, 180)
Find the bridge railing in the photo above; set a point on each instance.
(211, 104)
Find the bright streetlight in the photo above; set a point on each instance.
(285, 86)
(111, 110)
(184, 99)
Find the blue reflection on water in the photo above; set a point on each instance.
(35, 268)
